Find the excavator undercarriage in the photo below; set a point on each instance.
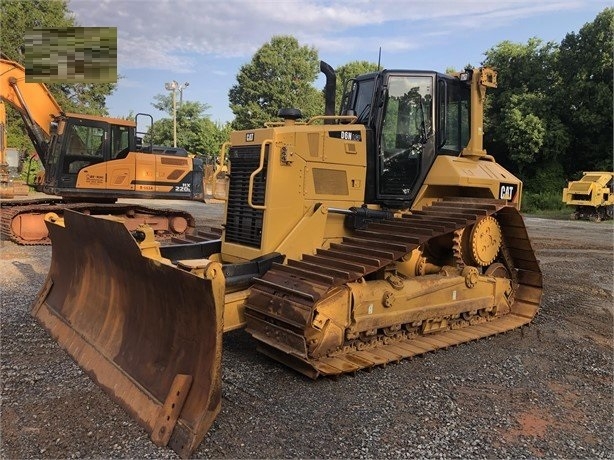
(23, 221)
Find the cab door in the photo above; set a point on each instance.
(121, 169)
(406, 147)
(84, 155)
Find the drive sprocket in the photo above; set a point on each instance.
(479, 244)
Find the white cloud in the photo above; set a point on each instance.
(159, 34)
(139, 52)
(221, 73)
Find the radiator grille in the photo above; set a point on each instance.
(243, 223)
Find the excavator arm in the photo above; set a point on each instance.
(36, 105)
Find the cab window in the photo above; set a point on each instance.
(119, 142)
(85, 146)
(454, 110)
(406, 126)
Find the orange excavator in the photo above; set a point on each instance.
(89, 162)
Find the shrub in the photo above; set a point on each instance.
(533, 202)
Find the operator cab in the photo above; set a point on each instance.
(411, 117)
(81, 141)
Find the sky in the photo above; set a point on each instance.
(205, 42)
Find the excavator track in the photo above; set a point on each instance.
(23, 221)
(283, 301)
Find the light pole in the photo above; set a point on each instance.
(174, 87)
(181, 88)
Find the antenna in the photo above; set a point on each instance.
(379, 59)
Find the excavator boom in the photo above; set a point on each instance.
(36, 105)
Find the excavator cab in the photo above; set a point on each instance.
(91, 156)
(81, 142)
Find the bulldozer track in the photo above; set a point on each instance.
(282, 302)
(11, 210)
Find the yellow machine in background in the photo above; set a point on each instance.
(90, 162)
(593, 196)
(350, 241)
(216, 179)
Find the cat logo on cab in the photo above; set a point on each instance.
(508, 192)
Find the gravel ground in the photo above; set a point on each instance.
(544, 391)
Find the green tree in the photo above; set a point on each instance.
(551, 116)
(523, 129)
(19, 16)
(195, 131)
(348, 71)
(16, 18)
(524, 132)
(584, 98)
(280, 75)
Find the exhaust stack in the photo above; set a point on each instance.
(329, 89)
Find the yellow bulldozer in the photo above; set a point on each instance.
(350, 241)
(592, 196)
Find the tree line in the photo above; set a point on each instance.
(551, 116)
(549, 119)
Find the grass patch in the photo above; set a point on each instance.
(556, 214)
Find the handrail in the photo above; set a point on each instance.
(349, 118)
(221, 159)
(257, 171)
(274, 124)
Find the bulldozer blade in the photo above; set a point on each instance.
(148, 333)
